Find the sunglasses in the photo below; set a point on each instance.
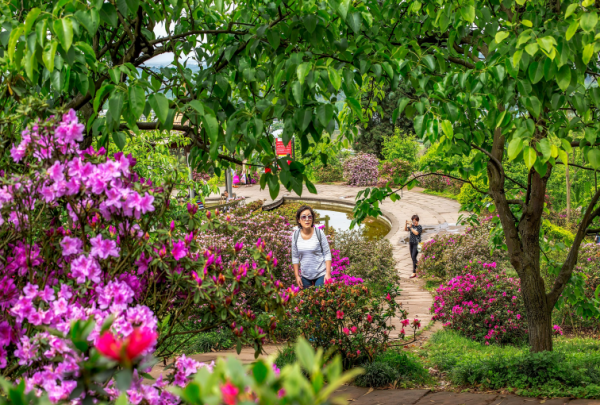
(306, 217)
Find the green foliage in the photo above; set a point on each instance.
(380, 102)
(469, 195)
(285, 356)
(400, 145)
(371, 260)
(377, 375)
(556, 233)
(333, 171)
(572, 370)
(203, 342)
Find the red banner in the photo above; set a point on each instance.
(281, 149)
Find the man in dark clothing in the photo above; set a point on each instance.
(415, 230)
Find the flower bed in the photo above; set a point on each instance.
(350, 318)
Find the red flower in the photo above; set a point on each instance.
(229, 393)
(388, 297)
(267, 170)
(339, 314)
(369, 318)
(128, 349)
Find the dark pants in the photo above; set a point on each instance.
(413, 254)
(316, 282)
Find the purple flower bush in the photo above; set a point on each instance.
(446, 256)
(88, 248)
(361, 169)
(487, 307)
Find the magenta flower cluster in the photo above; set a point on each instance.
(85, 238)
(361, 169)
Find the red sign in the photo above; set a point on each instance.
(281, 149)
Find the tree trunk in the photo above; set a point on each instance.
(568, 196)
(539, 316)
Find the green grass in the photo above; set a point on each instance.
(572, 369)
(446, 194)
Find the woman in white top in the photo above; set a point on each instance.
(310, 251)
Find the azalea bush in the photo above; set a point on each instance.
(486, 307)
(395, 170)
(190, 382)
(84, 238)
(438, 183)
(447, 256)
(372, 260)
(349, 318)
(361, 169)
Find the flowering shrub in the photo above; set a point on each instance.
(369, 259)
(487, 307)
(395, 169)
(439, 183)
(446, 256)
(201, 177)
(350, 318)
(361, 169)
(190, 382)
(86, 239)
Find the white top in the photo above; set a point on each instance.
(311, 255)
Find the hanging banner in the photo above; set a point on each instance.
(282, 149)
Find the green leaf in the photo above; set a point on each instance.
(588, 21)
(562, 155)
(49, 53)
(63, 29)
(570, 10)
(305, 354)
(137, 101)
(501, 36)
(302, 70)
(588, 52)
(334, 78)
(447, 128)
(90, 19)
(30, 19)
(260, 372)
(100, 95)
(402, 103)
(572, 29)
(532, 48)
(563, 77)
(429, 61)
(514, 148)
(211, 125)
(297, 92)
(534, 106)
(536, 72)
(273, 182)
(517, 58)
(160, 105)
(594, 158)
(418, 125)
(120, 139)
(468, 13)
(343, 8)
(108, 13)
(355, 106)
(529, 156)
(354, 20)
(273, 38)
(545, 147)
(310, 22)
(325, 114)
(115, 75)
(197, 105)
(527, 23)
(12, 41)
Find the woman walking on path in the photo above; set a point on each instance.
(310, 251)
(415, 238)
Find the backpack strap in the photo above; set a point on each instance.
(317, 231)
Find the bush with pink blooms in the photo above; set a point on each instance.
(88, 249)
(486, 306)
(349, 318)
(361, 169)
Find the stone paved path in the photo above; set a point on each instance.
(365, 396)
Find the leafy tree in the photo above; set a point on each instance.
(400, 146)
(238, 66)
(496, 80)
(379, 103)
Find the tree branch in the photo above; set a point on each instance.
(567, 268)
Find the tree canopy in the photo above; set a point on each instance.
(493, 80)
